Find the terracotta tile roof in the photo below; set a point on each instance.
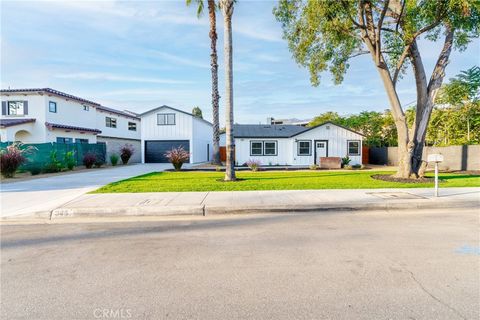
(66, 127)
(49, 91)
(14, 122)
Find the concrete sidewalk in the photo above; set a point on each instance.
(207, 203)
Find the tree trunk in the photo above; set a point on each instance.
(215, 95)
(227, 9)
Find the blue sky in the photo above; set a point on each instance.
(137, 55)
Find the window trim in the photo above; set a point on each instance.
(359, 148)
(165, 115)
(309, 148)
(276, 148)
(262, 142)
(50, 103)
(134, 126)
(107, 122)
(71, 140)
(261, 150)
(16, 114)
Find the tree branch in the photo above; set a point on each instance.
(378, 43)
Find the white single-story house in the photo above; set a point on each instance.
(165, 128)
(293, 144)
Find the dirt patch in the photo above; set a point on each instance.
(390, 178)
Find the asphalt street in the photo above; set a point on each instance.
(339, 265)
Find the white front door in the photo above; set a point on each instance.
(321, 149)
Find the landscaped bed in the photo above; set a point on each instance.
(273, 180)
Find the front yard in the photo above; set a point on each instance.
(273, 180)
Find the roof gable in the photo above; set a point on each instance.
(331, 123)
(173, 109)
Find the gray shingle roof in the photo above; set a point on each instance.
(4, 123)
(266, 130)
(275, 130)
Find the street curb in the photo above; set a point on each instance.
(65, 213)
(205, 210)
(343, 207)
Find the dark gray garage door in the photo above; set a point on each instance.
(155, 150)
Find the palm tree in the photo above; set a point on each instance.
(227, 10)
(214, 65)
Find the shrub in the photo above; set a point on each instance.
(345, 161)
(54, 165)
(99, 162)
(218, 168)
(177, 157)
(35, 170)
(114, 159)
(70, 161)
(126, 152)
(89, 159)
(253, 164)
(11, 158)
(313, 167)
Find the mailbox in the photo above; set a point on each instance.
(435, 158)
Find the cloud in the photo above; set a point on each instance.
(180, 60)
(114, 77)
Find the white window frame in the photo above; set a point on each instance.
(17, 108)
(166, 119)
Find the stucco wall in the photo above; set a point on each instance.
(114, 145)
(455, 157)
(121, 131)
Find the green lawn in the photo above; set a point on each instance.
(273, 180)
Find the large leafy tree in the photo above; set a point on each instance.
(227, 11)
(463, 93)
(325, 35)
(214, 69)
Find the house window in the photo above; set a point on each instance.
(270, 148)
(164, 119)
(52, 106)
(16, 108)
(256, 148)
(263, 148)
(64, 140)
(86, 108)
(81, 140)
(304, 148)
(354, 148)
(110, 122)
(132, 126)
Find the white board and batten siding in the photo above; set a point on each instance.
(337, 139)
(187, 127)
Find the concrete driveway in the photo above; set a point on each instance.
(46, 194)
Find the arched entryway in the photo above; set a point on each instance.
(23, 136)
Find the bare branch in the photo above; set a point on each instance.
(378, 44)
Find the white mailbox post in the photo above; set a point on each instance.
(435, 158)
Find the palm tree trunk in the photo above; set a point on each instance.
(227, 10)
(215, 95)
